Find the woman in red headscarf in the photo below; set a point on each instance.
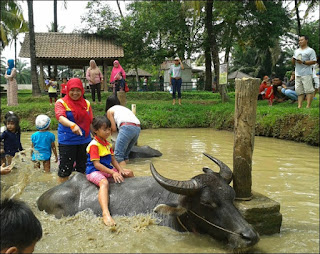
(74, 114)
(118, 76)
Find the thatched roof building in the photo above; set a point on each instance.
(73, 50)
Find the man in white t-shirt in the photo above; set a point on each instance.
(303, 59)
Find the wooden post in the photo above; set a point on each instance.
(247, 90)
(122, 97)
(105, 79)
(41, 77)
(133, 108)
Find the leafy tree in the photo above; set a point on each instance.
(311, 29)
(11, 19)
(100, 19)
(23, 72)
(311, 6)
(256, 41)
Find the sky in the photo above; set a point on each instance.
(70, 18)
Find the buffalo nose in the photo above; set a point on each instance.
(250, 236)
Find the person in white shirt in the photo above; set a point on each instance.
(303, 59)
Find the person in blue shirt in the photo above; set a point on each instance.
(11, 137)
(43, 143)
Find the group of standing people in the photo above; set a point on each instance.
(303, 81)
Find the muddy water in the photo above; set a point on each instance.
(285, 171)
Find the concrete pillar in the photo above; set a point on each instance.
(246, 91)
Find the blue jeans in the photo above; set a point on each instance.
(290, 94)
(127, 138)
(176, 87)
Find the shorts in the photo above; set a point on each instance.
(96, 176)
(304, 84)
(53, 95)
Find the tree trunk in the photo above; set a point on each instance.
(298, 18)
(207, 48)
(247, 91)
(208, 82)
(137, 77)
(55, 15)
(15, 50)
(34, 74)
(119, 8)
(55, 29)
(214, 50)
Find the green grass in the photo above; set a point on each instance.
(198, 109)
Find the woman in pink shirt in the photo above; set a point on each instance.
(118, 76)
(94, 76)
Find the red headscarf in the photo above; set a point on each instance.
(79, 107)
(116, 70)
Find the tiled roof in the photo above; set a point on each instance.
(141, 73)
(71, 46)
(238, 74)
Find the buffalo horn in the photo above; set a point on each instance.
(179, 187)
(225, 171)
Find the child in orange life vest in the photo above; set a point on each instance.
(99, 168)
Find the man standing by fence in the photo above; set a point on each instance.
(304, 57)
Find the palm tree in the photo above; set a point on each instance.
(11, 19)
(34, 75)
(55, 14)
(55, 23)
(23, 72)
(16, 30)
(312, 5)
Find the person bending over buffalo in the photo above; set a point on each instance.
(123, 121)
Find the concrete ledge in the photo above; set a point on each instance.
(262, 213)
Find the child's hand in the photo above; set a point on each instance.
(117, 177)
(125, 172)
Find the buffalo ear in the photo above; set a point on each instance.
(207, 170)
(169, 210)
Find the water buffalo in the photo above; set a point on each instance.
(143, 152)
(202, 204)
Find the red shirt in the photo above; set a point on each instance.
(63, 88)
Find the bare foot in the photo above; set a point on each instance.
(108, 221)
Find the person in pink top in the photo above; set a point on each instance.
(94, 76)
(117, 78)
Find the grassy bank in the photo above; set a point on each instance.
(199, 109)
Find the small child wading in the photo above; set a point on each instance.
(11, 137)
(43, 143)
(99, 169)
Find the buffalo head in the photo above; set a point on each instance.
(206, 206)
